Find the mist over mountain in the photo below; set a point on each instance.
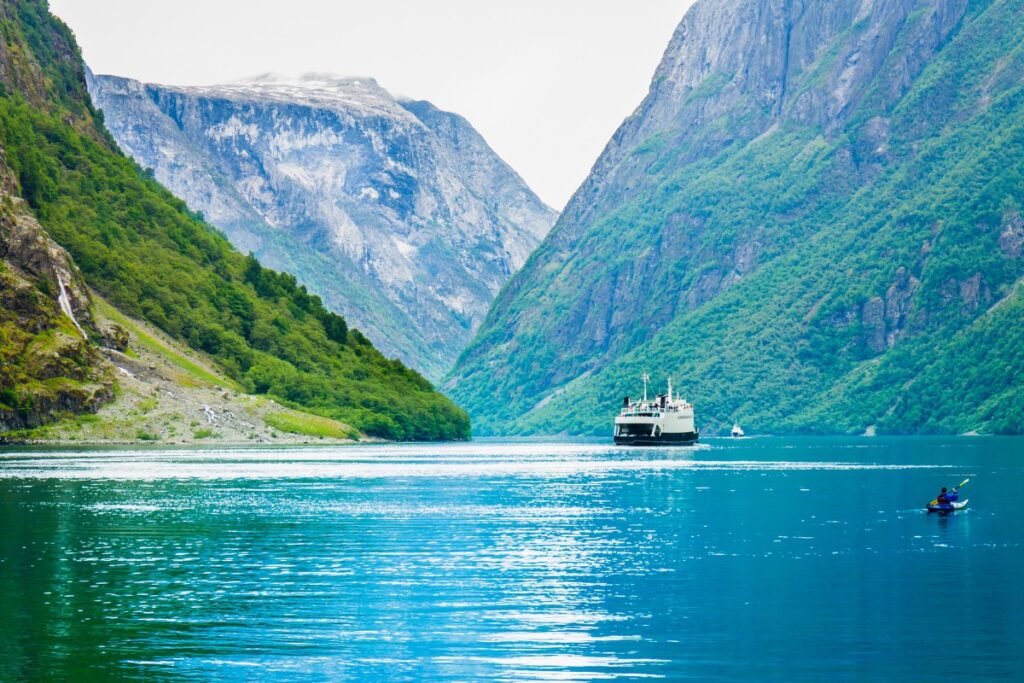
(399, 215)
(812, 222)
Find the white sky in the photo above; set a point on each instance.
(546, 82)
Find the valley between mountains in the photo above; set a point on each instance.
(397, 214)
(812, 223)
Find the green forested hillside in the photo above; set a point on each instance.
(143, 251)
(794, 266)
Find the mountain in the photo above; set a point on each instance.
(812, 223)
(47, 363)
(398, 214)
(81, 225)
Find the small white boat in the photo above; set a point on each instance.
(737, 430)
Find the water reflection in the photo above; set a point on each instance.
(511, 562)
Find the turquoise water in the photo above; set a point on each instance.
(797, 559)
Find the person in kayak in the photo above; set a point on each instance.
(947, 500)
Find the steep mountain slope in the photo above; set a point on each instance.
(143, 251)
(812, 222)
(398, 214)
(48, 366)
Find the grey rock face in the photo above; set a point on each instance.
(396, 213)
(1011, 239)
(873, 319)
(735, 70)
(885, 320)
(899, 305)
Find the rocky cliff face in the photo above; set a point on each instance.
(734, 70)
(799, 201)
(396, 213)
(49, 363)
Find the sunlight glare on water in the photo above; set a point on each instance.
(794, 558)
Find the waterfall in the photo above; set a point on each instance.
(65, 305)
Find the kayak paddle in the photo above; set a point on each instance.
(955, 488)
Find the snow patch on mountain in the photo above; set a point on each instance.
(398, 214)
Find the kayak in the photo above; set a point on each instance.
(947, 507)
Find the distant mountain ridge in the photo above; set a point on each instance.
(812, 222)
(398, 214)
(82, 226)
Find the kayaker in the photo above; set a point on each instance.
(947, 497)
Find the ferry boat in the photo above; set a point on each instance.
(665, 421)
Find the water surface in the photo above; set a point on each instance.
(756, 558)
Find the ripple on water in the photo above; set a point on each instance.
(463, 562)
